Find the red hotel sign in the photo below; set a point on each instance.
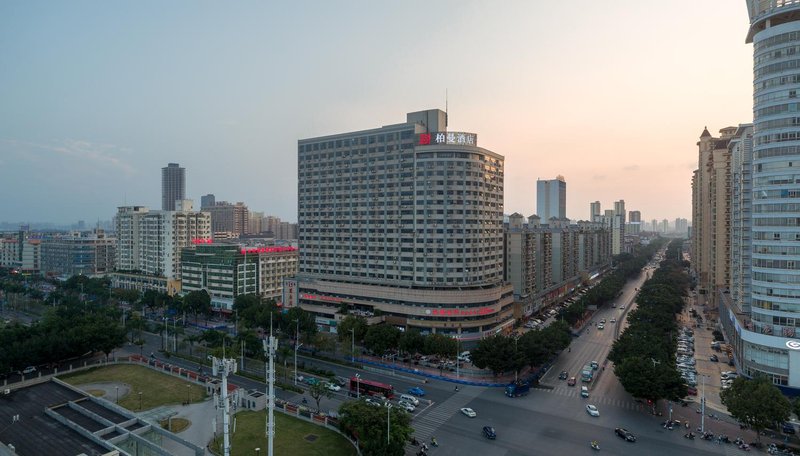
(461, 312)
(269, 250)
(319, 297)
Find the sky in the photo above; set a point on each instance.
(97, 96)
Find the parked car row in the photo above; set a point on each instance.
(684, 358)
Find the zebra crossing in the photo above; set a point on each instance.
(596, 399)
(431, 419)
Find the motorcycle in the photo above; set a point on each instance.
(689, 436)
(456, 389)
(595, 446)
(434, 442)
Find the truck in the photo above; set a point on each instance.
(518, 389)
(587, 373)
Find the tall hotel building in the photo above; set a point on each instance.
(403, 223)
(551, 199)
(764, 339)
(173, 186)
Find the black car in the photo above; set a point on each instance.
(563, 375)
(787, 428)
(625, 434)
(488, 431)
(713, 358)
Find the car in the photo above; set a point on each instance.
(788, 428)
(625, 434)
(469, 412)
(601, 326)
(613, 320)
(372, 402)
(489, 432)
(416, 391)
(563, 375)
(692, 391)
(584, 391)
(333, 387)
(28, 370)
(571, 381)
(592, 410)
(311, 381)
(405, 405)
(594, 365)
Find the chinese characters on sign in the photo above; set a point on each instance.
(319, 297)
(269, 250)
(449, 137)
(198, 241)
(461, 312)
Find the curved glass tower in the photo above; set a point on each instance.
(767, 340)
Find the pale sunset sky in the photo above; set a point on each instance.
(97, 96)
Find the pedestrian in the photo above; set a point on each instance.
(569, 349)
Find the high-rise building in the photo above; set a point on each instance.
(229, 218)
(711, 212)
(764, 340)
(21, 252)
(405, 219)
(551, 198)
(634, 222)
(85, 253)
(618, 227)
(741, 149)
(173, 186)
(150, 242)
(594, 211)
(207, 201)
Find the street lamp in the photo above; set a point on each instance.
(140, 400)
(358, 386)
(117, 388)
(353, 346)
(516, 370)
(457, 355)
(703, 407)
(258, 451)
(188, 393)
(388, 422)
(297, 346)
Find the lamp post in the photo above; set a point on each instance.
(353, 346)
(297, 346)
(703, 407)
(258, 451)
(140, 401)
(117, 388)
(388, 422)
(457, 355)
(358, 386)
(516, 370)
(188, 393)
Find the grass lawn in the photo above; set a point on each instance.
(157, 388)
(290, 437)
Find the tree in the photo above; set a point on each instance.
(651, 380)
(198, 302)
(319, 390)
(359, 324)
(439, 344)
(412, 341)
(757, 403)
(796, 406)
(367, 424)
(496, 353)
(380, 338)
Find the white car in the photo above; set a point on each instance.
(406, 405)
(613, 320)
(592, 410)
(333, 387)
(469, 412)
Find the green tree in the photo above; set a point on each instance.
(412, 341)
(757, 403)
(382, 337)
(796, 406)
(651, 380)
(496, 353)
(319, 390)
(358, 324)
(368, 425)
(198, 302)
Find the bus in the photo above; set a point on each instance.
(370, 388)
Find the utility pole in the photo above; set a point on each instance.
(223, 367)
(270, 346)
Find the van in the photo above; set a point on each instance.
(409, 398)
(584, 391)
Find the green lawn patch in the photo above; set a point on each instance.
(292, 436)
(156, 388)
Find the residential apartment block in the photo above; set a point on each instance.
(79, 253)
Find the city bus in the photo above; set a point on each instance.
(370, 388)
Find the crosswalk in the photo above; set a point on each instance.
(596, 399)
(427, 422)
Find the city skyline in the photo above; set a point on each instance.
(101, 97)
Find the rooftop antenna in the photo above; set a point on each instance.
(445, 109)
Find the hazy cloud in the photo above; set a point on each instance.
(599, 177)
(77, 150)
(631, 168)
